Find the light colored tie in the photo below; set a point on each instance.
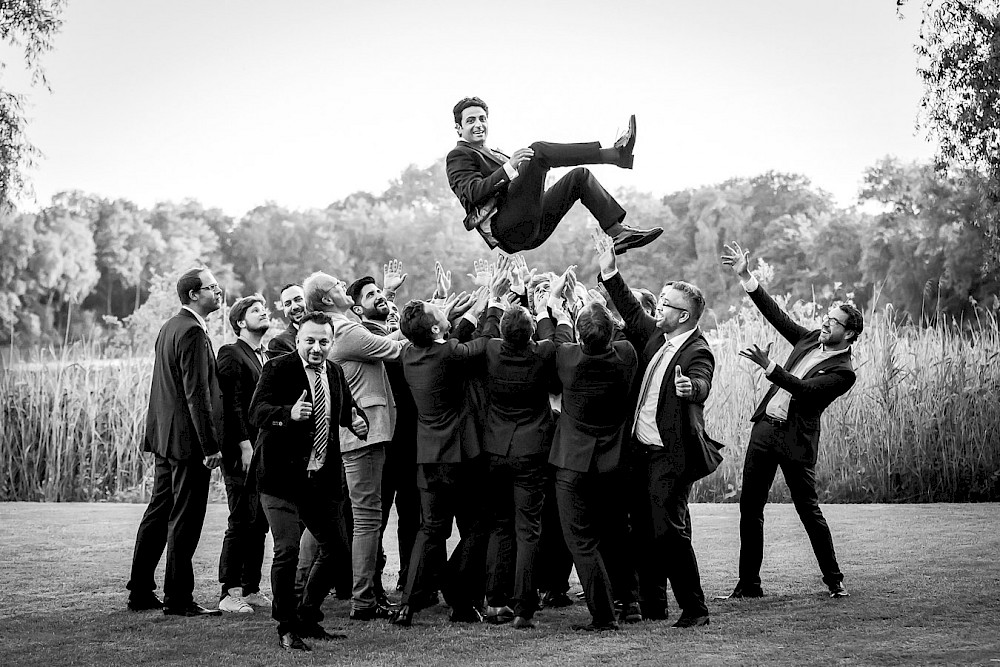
(646, 381)
(322, 433)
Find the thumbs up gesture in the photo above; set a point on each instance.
(682, 384)
(302, 409)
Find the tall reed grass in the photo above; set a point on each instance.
(922, 424)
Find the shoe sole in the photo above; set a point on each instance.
(638, 243)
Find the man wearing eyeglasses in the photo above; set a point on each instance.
(669, 447)
(786, 425)
(184, 433)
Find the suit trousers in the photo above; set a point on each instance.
(450, 491)
(555, 560)
(173, 520)
(316, 509)
(363, 468)
(662, 524)
(591, 511)
(243, 545)
(516, 489)
(763, 458)
(399, 486)
(530, 213)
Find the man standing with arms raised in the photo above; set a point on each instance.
(786, 425)
(184, 433)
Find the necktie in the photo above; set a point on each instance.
(322, 431)
(654, 364)
(260, 355)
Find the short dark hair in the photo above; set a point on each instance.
(464, 104)
(287, 286)
(855, 321)
(415, 323)
(354, 290)
(240, 308)
(517, 326)
(189, 280)
(595, 327)
(317, 316)
(693, 295)
(646, 299)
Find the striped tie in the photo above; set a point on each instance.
(322, 432)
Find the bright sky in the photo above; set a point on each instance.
(238, 102)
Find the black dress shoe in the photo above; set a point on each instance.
(383, 600)
(837, 590)
(742, 592)
(630, 238)
(403, 617)
(630, 613)
(595, 627)
(498, 615)
(523, 623)
(193, 609)
(625, 144)
(552, 600)
(292, 642)
(316, 631)
(690, 622)
(465, 615)
(144, 602)
(372, 613)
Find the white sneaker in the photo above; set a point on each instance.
(257, 599)
(235, 605)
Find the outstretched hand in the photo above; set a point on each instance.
(483, 273)
(392, 276)
(760, 357)
(738, 260)
(605, 246)
(442, 281)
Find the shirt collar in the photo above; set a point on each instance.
(305, 364)
(201, 320)
(679, 340)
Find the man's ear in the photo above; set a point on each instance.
(850, 334)
(458, 129)
(358, 310)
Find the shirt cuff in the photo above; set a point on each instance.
(771, 366)
(750, 285)
(511, 172)
(609, 276)
(544, 315)
(472, 318)
(565, 320)
(497, 303)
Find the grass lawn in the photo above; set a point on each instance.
(924, 583)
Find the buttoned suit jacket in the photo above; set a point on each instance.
(811, 394)
(185, 417)
(361, 354)
(285, 445)
(680, 422)
(239, 370)
(477, 178)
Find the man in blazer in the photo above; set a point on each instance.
(300, 402)
(669, 449)
(240, 364)
(184, 433)
(595, 376)
(505, 197)
(361, 354)
(293, 306)
(786, 425)
(519, 373)
(449, 466)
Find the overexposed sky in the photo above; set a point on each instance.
(238, 102)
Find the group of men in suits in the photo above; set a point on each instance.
(460, 400)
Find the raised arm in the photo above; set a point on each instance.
(639, 326)
(738, 261)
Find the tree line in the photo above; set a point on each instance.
(912, 241)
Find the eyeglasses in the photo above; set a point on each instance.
(214, 287)
(833, 320)
(666, 304)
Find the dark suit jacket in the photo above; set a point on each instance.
(812, 394)
(283, 343)
(239, 370)
(185, 403)
(595, 406)
(679, 421)
(518, 417)
(476, 177)
(284, 445)
(437, 378)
